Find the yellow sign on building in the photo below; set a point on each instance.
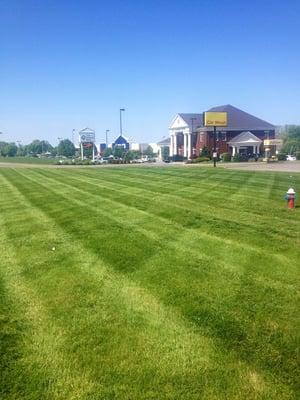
(272, 142)
(215, 118)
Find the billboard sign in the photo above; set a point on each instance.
(87, 136)
(211, 118)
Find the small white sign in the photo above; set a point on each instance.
(215, 154)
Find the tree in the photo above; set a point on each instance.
(205, 152)
(66, 148)
(8, 149)
(38, 147)
(165, 152)
(149, 151)
(107, 152)
(119, 151)
(291, 139)
(132, 155)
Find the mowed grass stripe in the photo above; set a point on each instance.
(37, 366)
(196, 180)
(197, 215)
(276, 296)
(148, 266)
(137, 304)
(136, 219)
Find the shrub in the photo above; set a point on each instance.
(239, 158)
(205, 152)
(177, 157)
(281, 156)
(200, 159)
(226, 157)
(298, 155)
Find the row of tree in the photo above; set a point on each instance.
(37, 147)
(65, 148)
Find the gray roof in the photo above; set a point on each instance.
(164, 142)
(240, 120)
(245, 138)
(188, 118)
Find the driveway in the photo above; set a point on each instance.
(283, 166)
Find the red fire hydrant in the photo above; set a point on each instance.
(290, 197)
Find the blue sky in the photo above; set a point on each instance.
(72, 64)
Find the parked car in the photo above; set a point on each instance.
(290, 158)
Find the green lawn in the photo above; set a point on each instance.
(148, 283)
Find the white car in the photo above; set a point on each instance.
(290, 158)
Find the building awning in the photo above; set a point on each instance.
(245, 139)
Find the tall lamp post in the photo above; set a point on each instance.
(106, 137)
(121, 132)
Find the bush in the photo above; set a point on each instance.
(177, 157)
(281, 156)
(226, 157)
(298, 155)
(200, 159)
(205, 152)
(239, 158)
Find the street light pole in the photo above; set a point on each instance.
(215, 147)
(106, 137)
(121, 132)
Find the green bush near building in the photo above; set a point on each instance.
(200, 159)
(226, 157)
(281, 156)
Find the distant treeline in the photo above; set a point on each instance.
(65, 148)
(36, 148)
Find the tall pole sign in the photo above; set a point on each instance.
(214, 119)
(87, 139)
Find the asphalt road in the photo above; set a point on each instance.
(284, 166)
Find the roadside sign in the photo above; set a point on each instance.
(272, 142)
(87, 136)
(214, 118)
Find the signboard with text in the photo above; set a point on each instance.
(87, 136)
(272, 142)
(211, 118)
